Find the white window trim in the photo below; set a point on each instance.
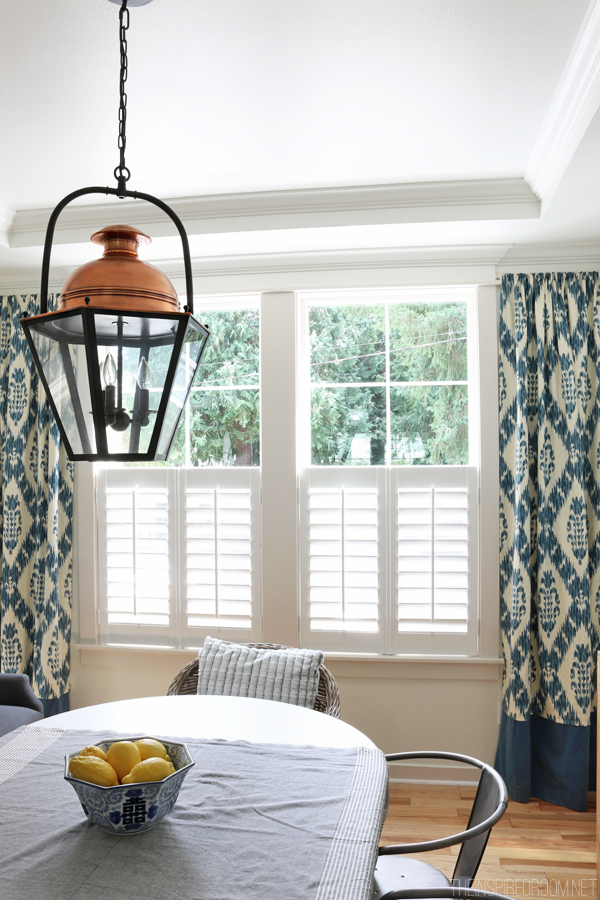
(487, 301)
(280, 613)
(388, 640)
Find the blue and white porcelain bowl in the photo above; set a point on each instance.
(132, 808)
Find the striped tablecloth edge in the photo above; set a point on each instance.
(349, 860)
(24, 747)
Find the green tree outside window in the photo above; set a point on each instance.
(405, 361)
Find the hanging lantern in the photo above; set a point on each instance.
(118, 357)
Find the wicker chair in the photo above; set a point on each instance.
(328, 695)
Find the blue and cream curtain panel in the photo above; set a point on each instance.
(549, 383)
(36, 515)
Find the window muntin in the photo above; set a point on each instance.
(389, 382)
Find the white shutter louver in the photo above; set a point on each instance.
(219, 564)
(395, 545)
(221, 567)
(137, 556)
(136, 573)
(343, 560)
(341, 557)
(432, 560)
(182, 555)
(436, 551)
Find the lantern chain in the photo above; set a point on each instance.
(122, 173)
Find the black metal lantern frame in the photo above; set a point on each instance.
(63, 328)
(87, 412)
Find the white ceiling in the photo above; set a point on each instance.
(470, 128)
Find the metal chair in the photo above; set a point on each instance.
(393, 874)
(328, 695)
(447, 893)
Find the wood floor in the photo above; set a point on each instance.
(536, 850)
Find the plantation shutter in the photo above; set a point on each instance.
(137, 574)
(389, 559)
(220, 540)
(179, 555)
(434, 584)
(343, 571)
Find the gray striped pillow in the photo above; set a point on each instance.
(290, 675)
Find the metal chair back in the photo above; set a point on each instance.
(491, 794)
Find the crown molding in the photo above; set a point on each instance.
(575, 257)
(342, 268)
(450, 264)
(299, 269)
(571, 111)
(326, 260)
(500, 198)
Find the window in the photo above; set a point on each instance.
(380, 417)
(179, 542)
(388, 518)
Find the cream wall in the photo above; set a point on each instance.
(419, 711)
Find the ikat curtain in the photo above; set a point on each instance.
(549, 391)
(36, 516)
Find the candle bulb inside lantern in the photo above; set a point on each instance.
(109, 376)
(143, 382)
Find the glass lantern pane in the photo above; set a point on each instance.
(58, 343)
(134, 354)
(193, 344)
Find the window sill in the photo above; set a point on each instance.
(341, 665)
(439, 668)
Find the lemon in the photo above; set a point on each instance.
(92, 750)
(123, 756)
(151, 769)
(151, 747)
(94, 770)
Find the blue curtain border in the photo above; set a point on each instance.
(533, 757)
(57, 705)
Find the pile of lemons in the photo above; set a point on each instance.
(125, 762)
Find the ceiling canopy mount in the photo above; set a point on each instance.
(131, 3)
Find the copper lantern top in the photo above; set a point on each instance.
(119, 279)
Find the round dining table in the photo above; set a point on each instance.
(208, 716)
(281, 800)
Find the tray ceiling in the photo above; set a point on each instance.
(307, 126)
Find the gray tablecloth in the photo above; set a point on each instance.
(263, 821)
